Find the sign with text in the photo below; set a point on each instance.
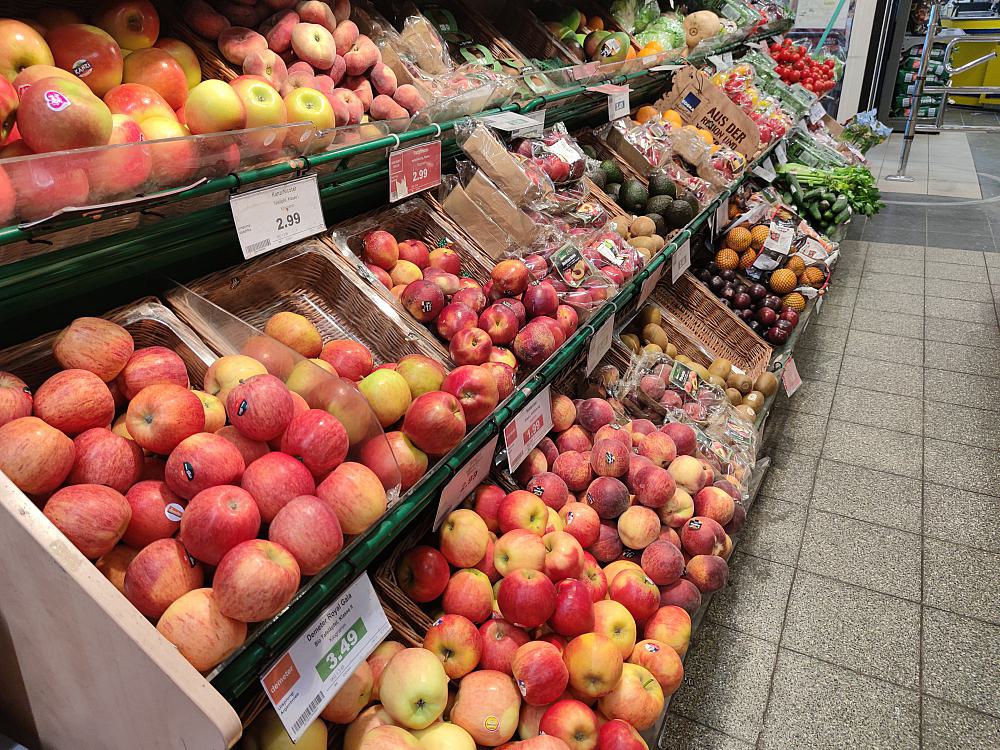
(528, 427)
(466, 480)
(600, 342)
(517, 125)
(650, 284)
(618, 100)
(790, 377)
(309, 674)
(277, 215)
(413, 170)
(680, 261)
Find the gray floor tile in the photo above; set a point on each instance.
(962, 517)
(844, 296)
(817, 365)
(726, 679)
(818, 705)
(868, 495)
(886, 347)
(905, 380)
(790, 476)
(958, 290)
(956, 332)
(891, 282)
(859, 552)
(753, 600)
(957, 272)
(960, 660)
(952, 255)
(993, 274)
(878, 234)
(835, 315)
(803, 433)
(849, 276)
(871, 633)
(891, 250)
(961, 308)
(962, 580)
(961, 424)
(823, 337)
(882, 321)
(773, 530)
(873, 447)
(979, 468)
(962, 358)
(683, 734)
(813, 397)
(961, 388)
(873, 299)
(946, 726)
(963, 241)
(902, 266)
(875, 409)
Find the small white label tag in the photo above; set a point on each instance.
(518, 125)
(467, 479)
(680, 261)
(600, 342)
(816, 112)
(650, 284)
(790, 377)
(721, 216)
(309, 674)
(275, 216)
(527, 428)
(765, 170)
(781, 151)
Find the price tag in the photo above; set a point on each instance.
(527, 428)
(765, 170)
(600, 342)
(468, 478)
(618, 101)
(414, 169)
(790, 377)
(309, 674)
(816, 112)
(650, 284)
(680, 261)
(517, 125)
(665, 68)
(781, 151)
(721, 216)
(275, 216)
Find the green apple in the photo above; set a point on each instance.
(309, 105)
(263, 104)
(414, 687)
(214, 107)
(21, 47)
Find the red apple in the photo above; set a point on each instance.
(581, 522)
(260, 407)
(476, 390)
(456, 642)
(35, 456)
(527, 598)
(202, 634)
(94, 344)
(310, 531)
(423, 299)
(92, 517)
(445, 258)
(89, 53)
(216, 520)
(423, 573)
(540, 299)
(510, 277)
(500, 642)
(317, 439)
(103, 457)
(134, 24)
(201, 461)
(619, 735)
(156, 513)
(470, 346)
(571, 721)
(574, 612)
(273, 480)
(161, 574)
(435, 422)
(74, 401)
(15, 398)
(159, 70)
(255, 580)
(500, 323)
(161, 416)
(381, 249)
(120, 172)
(356, 495)
(539, 672)
(469, 594)
(564, 556)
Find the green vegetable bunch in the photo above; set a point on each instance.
(855, 183)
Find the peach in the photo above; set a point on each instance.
(361, 87)
(549, 450)
(608, 546)
(683, 436)
(383, 79)
(574, 469)
(654, 487)
(362, 55)
(714, 503)
(678, 509)
(609, 497)
(688, 473)
(594, 413)
(314, 45)
(534, 463)
(345, 35)
(658, 448)
(202, 634)
(662, 562)
(682, 593)
(409, 98)
(384, 108)
(614, 432)
(563, 413)
(267, 65)
(236, 42)
(736, 522)
(670, 625)
(707, 572)
(278, 30)
(702, 536)
(635, 465)
(609, 458)
(510, 277)
(550, 487)
(203, 19)
(638, 527)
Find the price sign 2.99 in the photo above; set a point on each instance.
(412, 170)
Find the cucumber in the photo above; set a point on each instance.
(839, 205)
(828, 196)
(828, 215)
(815, 212)
(813, 194)
(842, 216)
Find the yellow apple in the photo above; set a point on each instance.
(215, 411)
(228, 372)
(444, 736)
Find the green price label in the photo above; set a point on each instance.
(341, 649)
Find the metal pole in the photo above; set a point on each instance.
(911, 121)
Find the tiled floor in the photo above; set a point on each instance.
(863, 609)
(939, 165)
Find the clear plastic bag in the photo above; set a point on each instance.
(657, 386)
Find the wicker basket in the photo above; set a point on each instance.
(713, 324)
(149, 322)
(412, 618)
(532, 38)
(686, 342)
(311, 280)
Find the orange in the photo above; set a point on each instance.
(782, 281)
(673, 118)
(645, 113)
(747, 259)
(813, 276)
(759, 235)
(727, 259)
(795, 301)
(706, 136)
(653, 48)
(631, 53)
(796, 265)
(738, 238)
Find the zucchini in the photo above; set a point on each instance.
(814, 212)
(828, 196)
(842, 216)
(839, 205)
(813, 194)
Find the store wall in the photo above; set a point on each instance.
(857, 57)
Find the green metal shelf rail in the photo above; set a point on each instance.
(240, 678)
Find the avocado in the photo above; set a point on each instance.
(613, 189)
(633, 196)
(678, 214)
(612, 171)
(660, 184)
(614, 47)
(592, 44)
(658, 204)
(598, 177)
(589, 151)
(692, 200)
(659, 223)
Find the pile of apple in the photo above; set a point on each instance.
(517, 317)
(312, 45)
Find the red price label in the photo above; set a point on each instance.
(414, 169)
(532, 429)
(790, 377)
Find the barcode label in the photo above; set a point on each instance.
(307, 714)
(255, 247)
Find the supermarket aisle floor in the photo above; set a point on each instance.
(863, 609)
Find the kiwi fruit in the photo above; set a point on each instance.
(649, 244)
(740, 382)
(652, 349)
(643, 226)
(734, 396)
(683, 359)
(721, 367)
(766, 383)
(621, 224)
(632, 342)
(746, 412)
(755, 400)
(716, 380)
(650, 314)
(702, 371)
(671, 351)
(653, 334)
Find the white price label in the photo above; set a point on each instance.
(765, 170)
(816, 112)
(518, 125)
(680, 261)
(650, 284)
(527, 428)
(665, 68)
(819, 304)
(722, 215)
(781, 151)
(618, 105)
(600, 342)
(790, 377)
(309, 674)
(275, 216)
(467, 479)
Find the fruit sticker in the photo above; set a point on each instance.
(56, 101)
(82, 68)
(189, 469)
(492, 723)
(173, 512)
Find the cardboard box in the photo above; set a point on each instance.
(475, 223)
(701, 103)
(502, 210)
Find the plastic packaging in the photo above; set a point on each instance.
(657, 386)
(521, 180)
